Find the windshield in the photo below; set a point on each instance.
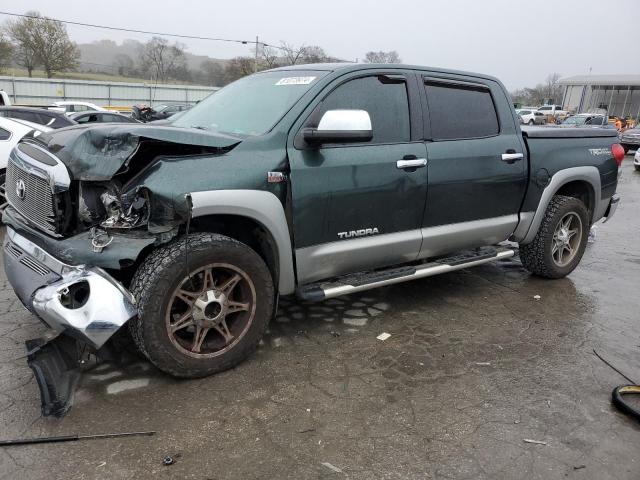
(251, 105)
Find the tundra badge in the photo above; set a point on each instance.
(358, 233)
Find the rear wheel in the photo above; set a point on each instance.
(561, 240)
(207, 318)
(531, 122)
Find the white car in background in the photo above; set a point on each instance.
(532, 117)
(636, 160)
(553, 110)
(70, 107)
(11, 132)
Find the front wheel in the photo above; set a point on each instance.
(198, 320)
(531, 122)
(561, 240)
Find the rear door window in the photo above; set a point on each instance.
(385, 99)
(459, 111)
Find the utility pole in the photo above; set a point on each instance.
(255, 65)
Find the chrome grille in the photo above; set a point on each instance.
(35, 266)
(37, 204)
(13, 250)
(26, 260)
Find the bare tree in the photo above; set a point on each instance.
(550, 90)
(314, 54)
(269, 57)
(211, 73)
(382, 57)
(238, 67)
(291, 53)
(20, 33)
(162, 60)
(123, 63)
(553, 90)
(6, 52)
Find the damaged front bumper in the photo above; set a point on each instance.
(83, 302)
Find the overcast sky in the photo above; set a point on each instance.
(519, 41)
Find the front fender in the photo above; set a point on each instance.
(263, 207)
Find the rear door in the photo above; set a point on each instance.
(477, 164)
(354, 206)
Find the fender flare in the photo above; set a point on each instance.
(263, 207)
(591, 175)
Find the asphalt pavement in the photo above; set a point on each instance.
(478, 362)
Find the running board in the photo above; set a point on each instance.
(316, 292)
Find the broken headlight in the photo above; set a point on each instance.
(105, 206)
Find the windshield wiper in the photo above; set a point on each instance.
(199, 127)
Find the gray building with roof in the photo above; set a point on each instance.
(619, 95)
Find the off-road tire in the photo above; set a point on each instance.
(161, 273)
(537, 255)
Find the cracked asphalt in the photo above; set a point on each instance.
(475, 364)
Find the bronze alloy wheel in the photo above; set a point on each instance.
(566, 239)
(211, 310)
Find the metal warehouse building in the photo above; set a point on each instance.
(618, 94)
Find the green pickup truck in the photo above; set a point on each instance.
(314, 180)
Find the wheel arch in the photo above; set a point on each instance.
(253, 217)
(579, 182)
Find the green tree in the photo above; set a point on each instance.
(6, 52)
(20, 32)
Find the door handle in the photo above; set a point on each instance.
(412, 163)
(512, 157)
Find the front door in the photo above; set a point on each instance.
(354, 206)
(477, 165)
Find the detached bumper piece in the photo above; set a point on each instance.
(57, 370)
(83, 302)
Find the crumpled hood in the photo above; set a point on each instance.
(97, 152)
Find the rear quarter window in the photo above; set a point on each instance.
(460, 111)
(4, 134)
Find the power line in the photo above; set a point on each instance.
(146, 32)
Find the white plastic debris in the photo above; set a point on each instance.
(331, 467)
(537, 297)
(536, 442)
(383, 336)
(593, 232)
(486, 364)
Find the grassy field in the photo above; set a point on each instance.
(103, 77)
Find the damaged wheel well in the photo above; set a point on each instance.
(245, 230)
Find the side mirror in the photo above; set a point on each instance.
(340, 126)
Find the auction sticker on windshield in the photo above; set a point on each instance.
(295, 81)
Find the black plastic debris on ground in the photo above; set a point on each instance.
(55, 366)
